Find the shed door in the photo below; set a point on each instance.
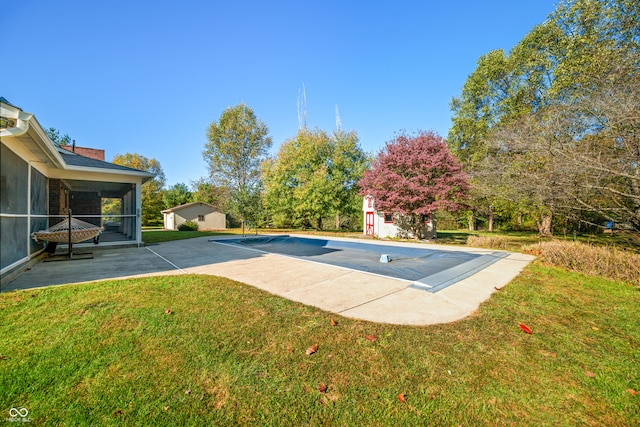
(369, 218)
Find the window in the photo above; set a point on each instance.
(201, 218)
(388, 218)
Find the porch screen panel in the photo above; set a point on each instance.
(14, 181)
(39, 205)
(13, 201)
(13, 232)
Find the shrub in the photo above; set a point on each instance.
(188, 226)
(489, 242)
(589, 259)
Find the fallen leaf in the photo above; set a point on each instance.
(589, 374)
(523, 303)
(4, 357)
(323, 388)
(548, 353)
(595, 328)
(402, 397)
(187, 392)
(333, 322)
(168, 311)
(312, 349)
(371, 338)
(631, 391)
(525, 328)
(166, 408)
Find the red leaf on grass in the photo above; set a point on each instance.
(589, 374)
(333, 322)
(371, 338)
(312, 349)
(525, 328)
(323, 388)
(631, 391)
(168, 311)
(402, 397)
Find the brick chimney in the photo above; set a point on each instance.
(92, 153)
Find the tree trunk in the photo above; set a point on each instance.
(544, 226)
(472, 221)
(490, 219)
(319, 223)
(338, 221)
(519, 219)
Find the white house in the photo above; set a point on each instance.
(207, 216)
(391, 225)
(40, 182)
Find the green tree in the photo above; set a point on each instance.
(512, 105)
(206, 192)
(54, 135)
(236, 146)
(152, 203)
(314, 175)
(176, 195)
(112, 208)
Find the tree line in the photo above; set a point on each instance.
(316, 179)
(546, 135)
(550, 131)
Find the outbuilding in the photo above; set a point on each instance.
(389, 225)
(207, 216)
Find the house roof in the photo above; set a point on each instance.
(74, 159)
(4, 101)
(24, 127)
(187, 205)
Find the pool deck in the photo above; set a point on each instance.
(338, 290)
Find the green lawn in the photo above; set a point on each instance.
(228, 354)
(156, 236)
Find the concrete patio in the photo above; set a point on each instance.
(338, 290)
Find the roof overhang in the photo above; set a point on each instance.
(25, 129)
(34, 144)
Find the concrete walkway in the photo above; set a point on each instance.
(338, 290)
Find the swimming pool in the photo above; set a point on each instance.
(428, 269)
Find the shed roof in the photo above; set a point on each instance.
(187, 205)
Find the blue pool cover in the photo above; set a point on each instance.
(428, 269)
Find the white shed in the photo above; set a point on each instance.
(390, 224)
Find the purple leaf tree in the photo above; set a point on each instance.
(415, 175)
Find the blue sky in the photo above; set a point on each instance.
(149, 77)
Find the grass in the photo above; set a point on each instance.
(108, 353)
(515, 240)
(609, 262)
(157, 236)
